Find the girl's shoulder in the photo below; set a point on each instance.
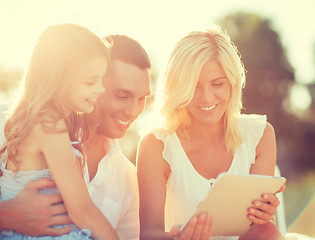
(49, 126)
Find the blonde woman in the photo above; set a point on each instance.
(63, 80)
(202, 133)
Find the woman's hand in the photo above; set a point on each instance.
(198, 227)
(264, 210)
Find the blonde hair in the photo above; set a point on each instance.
(176, 89)
(58, 52)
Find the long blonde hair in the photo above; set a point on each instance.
(57, 54)
(176, 89)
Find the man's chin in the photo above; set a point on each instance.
(118, 135)
(111, 134)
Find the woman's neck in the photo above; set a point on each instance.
(208, 134)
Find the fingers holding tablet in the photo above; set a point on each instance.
(263, 210)
(197, 228)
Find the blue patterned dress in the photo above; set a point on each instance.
(12, 183)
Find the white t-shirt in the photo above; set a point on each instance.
(186, 187)
(114, 190)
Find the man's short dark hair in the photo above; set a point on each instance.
(128, 50)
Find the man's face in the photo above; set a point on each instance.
(126, 89)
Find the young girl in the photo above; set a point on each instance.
(202, 134)
(63, 80)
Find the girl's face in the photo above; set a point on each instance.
(212, 95)
(86, 85)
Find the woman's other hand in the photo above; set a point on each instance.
(263, 210)
(198, 227)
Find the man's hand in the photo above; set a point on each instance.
(34, 214)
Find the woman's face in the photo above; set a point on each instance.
(86, 85)
(212, 95)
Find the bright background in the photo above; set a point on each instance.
(157, 25)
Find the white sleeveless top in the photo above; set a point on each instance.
(186, 187)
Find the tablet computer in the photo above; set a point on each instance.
(230, 198)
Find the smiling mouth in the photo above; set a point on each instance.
(122, 122)
(91, 100)
(208, 108)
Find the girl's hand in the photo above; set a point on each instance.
(198, 227)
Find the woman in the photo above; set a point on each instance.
(201, 133)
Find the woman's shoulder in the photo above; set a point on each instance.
(253, 126)
(252, 122)
(252, 118)
(155, 144)
(47, 126)
(152, 155)
(150, 140)
(156, 136)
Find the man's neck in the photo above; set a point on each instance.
(94, 151)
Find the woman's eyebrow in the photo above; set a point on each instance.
(218, 78)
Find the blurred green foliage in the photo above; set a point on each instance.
(269, 80)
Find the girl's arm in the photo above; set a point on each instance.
(57, 151)
(153, 172)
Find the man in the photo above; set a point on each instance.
(114, 187)
(111, 178)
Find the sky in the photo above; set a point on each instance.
(157, 25)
